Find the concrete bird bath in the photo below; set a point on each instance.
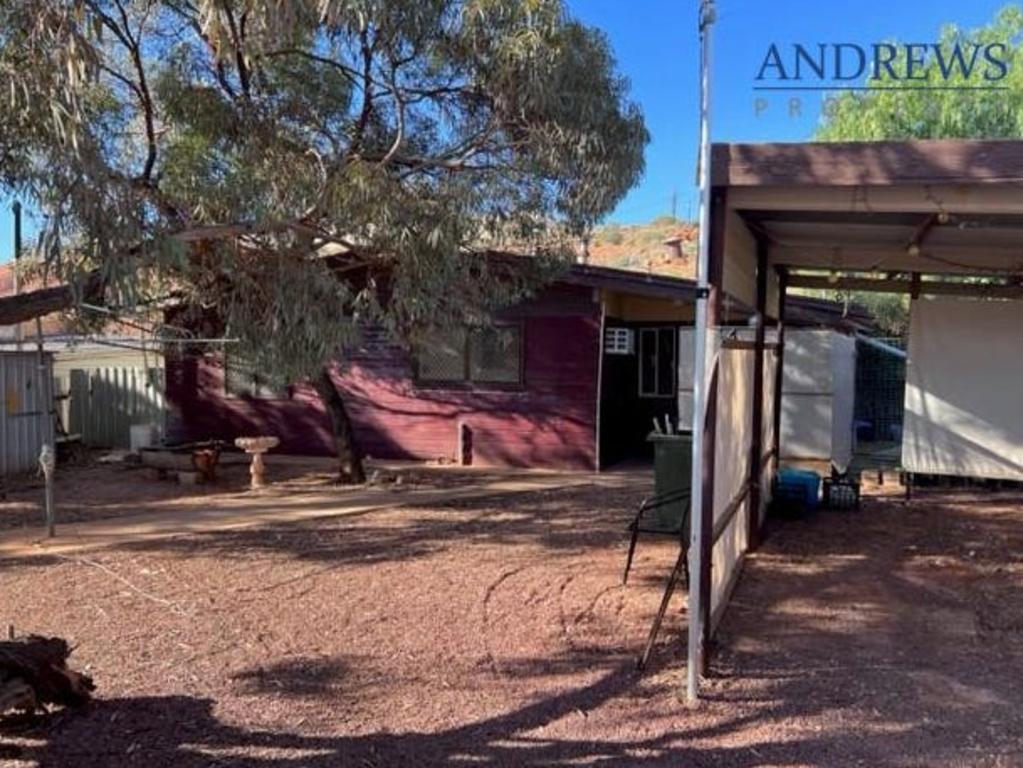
(256, 447)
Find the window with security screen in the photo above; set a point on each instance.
(495, 355)
(243, 379)
(657, 362)
(441, 356)
(483, 356)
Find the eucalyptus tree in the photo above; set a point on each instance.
(968, 105)
(295, 169)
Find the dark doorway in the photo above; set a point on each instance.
(639, 384)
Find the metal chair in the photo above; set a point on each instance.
(643, 523)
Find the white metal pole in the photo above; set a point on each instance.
(696, 596)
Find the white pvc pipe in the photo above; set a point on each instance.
(880, 345)
(696, 596)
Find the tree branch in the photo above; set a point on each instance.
(26, 306)
(367, 92)
(351, 75)
(237, 35)
(400, 109)
(123, 33)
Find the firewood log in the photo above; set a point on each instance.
(34, 672)
(17, 694)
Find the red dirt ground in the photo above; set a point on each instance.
(96, 491)
(495, 632)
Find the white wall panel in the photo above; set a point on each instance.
(740, 267)
(818, 396)
(964, 410)
(731, 467)
(843, 399)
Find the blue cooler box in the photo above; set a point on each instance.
(797, 491)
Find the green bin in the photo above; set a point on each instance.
(673, 466)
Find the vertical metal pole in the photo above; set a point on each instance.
(48, 465)
(16, 209)
(43, 388)
(779, 370)
(696, 608)
(756, 449)
(51, 529)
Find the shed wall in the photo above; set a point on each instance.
(25, 419)
(103, 403)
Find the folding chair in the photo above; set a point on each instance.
(644, 522)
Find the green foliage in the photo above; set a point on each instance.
(889, 109)
(303, 166)
(890, 311)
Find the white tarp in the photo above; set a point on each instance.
(963, 405)
(818, 396)
(843, 400)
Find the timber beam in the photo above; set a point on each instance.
(994, 290)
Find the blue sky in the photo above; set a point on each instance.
(655, 42)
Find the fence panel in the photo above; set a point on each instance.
(105, 402)
(731, 474)
(25, 418)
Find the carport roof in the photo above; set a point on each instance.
(804, 311)
(895, 207)
(868, 163)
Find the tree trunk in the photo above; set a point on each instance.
(350, 470)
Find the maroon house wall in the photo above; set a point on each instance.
(549, 422)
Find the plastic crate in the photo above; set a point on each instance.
(841, 493)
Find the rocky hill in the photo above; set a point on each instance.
(663, 246)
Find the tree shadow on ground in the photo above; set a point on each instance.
(292, 677)
(183, 731)
(854, 639)
(574, 518)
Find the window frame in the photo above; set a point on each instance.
(467, 383)
(657, 331)
(274, 395)
(615, 335)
